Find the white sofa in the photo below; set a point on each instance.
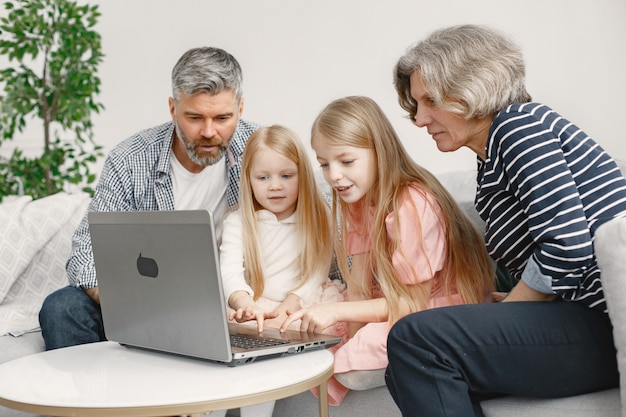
(34, 244)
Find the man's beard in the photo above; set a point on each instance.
(193, 155)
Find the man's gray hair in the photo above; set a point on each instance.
(206, 69)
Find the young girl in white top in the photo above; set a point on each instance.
(276, 247)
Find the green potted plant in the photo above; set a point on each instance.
(53, 53)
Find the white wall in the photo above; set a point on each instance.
(299, 55)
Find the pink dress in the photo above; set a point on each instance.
(414, 261)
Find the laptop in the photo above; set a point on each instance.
(160, 289)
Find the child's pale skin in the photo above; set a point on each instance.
(246, 310)
(358, 311)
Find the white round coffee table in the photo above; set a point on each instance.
(104, 379)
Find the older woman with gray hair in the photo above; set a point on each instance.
(543, 188)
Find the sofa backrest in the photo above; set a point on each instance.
(610, 247)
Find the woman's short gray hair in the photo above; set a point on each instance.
(206, 69)
(470, 70)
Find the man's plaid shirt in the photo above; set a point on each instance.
(136, 176)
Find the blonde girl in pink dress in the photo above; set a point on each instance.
(403, 245)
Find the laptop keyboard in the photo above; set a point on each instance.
(249, 342)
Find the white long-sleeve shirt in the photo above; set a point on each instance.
(279, 248)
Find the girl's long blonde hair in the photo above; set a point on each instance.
(359, 122)
(313, 223)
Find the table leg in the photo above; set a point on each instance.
(323, 399)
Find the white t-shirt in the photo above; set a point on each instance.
(204, 190)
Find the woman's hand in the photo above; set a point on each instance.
(498, 296)
(522, 292)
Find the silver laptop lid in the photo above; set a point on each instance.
(159, 282)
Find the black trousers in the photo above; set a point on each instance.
(443, 361)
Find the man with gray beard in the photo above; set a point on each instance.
(191, 162)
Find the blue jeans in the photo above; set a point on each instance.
(444, 361)
(70, 317)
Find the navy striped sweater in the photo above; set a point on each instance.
(543, 190)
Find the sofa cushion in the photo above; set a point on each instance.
(362, 380)
(597, 404)
(610, 246)
(35, 238)
(16, 347)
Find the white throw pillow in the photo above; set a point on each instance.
(35, 241)
(610, 246)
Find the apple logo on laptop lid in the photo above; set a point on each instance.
(147, 267)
